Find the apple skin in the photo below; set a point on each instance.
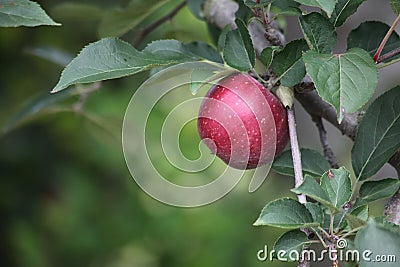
(243, 123)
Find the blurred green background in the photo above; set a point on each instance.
(66, 195)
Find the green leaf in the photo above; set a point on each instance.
(204, 50)
(325, 5)
(369, 35)
(248, 43)
(395, 4)
(337, 185)
(238, 50)
(343, 10)
(356, 219)
(312, 189)
(378, 135)
(168, 50)
(289, 242)
(15, 13)
(313, 163)
(339, 221)
(356, 216)
(262, 3)
(285, 8)
(374, 190)
(267, 55)
(222, 37)
(288, 64)
(285, 213)
(380, 240)
(316, 212)
(208, 76)
(43, 103)
(346, 81)
(361, 212)
(112, 58)
(358, 203)
(319, 33)
(117, 21)
(51, 54)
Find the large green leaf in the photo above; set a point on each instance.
(378, 135)
(395, 4)
(381, 241)
(375, 190)
(343, 10)
(14, 13)
(289, 242)
(238, 50)
(313, 163)
(288, 64)
(325, 5)
(346, 81)
(285, 213)
(319, 33)
(370, 34)
(112, 58)
(118, 21)
(312, 189)
(337, 185)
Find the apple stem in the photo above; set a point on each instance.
(387, 36)
(296, 155)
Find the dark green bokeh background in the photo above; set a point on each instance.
(66, 196)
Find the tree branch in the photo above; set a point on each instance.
(389, 55)
(392, 208)
(328, 152)
(146, 31)
(315, 106)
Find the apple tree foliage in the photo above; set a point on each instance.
(338, 203)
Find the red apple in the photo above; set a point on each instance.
(243, 123)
